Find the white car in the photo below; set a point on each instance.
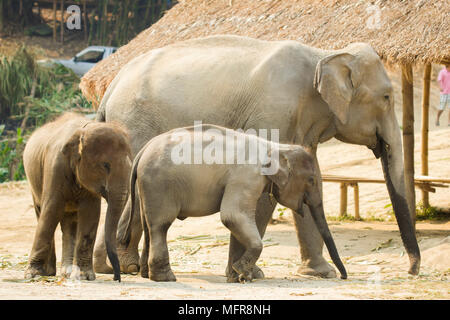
(86, 59)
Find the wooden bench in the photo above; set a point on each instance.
(425, 183)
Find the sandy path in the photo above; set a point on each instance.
(198, 250)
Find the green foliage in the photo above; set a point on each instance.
(42, 30)
(11, 165)
(342, 218)
(31, 95)
(430, 213)
(58, 92)
(34, 91)
(281, 211)
(424, 213)
(16, 78)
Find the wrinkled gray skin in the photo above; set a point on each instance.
(168, 190)
(310, 95)
(70, 164)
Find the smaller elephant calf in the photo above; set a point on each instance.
(70, 164)
(187, 172)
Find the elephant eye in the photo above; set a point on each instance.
(387, 97)
(107, 166)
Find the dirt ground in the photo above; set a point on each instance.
(371, 250)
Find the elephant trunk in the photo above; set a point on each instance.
(392, 163)
(389, 148)
(316, 208)
(116, 202)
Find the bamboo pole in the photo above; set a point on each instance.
(1, 15)
(343, 204)
(105, 22)
(85, 20)
(408, 136)
(146, 15)
(54, 21)
(356, 199)
(425, 123)
(62, 22)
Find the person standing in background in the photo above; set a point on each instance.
(444, 82)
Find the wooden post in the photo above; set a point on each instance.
(54, 20)
(425, 122)
(62, 22)
(1, 15)
(85, 20)
(408, 136)
(356, 199)
(343, 209)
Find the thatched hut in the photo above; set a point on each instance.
(402, 32)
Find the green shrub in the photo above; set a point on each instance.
(16, 78)
(31, 95)
(11, 164)
(431, 213)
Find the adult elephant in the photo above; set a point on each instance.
(309, 94)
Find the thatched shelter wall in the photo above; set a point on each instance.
(408, 31)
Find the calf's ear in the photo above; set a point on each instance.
(73, 146)
(281, 176)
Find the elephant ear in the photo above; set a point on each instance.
(73, 146)
(335, 81)
(281, 176)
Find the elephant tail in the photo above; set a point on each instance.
(133, 178)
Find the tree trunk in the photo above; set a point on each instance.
(62, 22)
(54, 20)
(1, 15)
(85, 21)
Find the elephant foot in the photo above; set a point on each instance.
(233, 277)
(129, 261)
(144, 270)
(132, 269)
(144, 274)
(245, 272)
(50, 271)
(66, 271)
(87, 275)
(102, 267)
(34, 271)
(322, 269)
(99, 259)
(162, 276)
(257, 273)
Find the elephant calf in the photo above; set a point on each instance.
(70, 164)
(187, 172)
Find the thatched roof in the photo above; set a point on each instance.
(408, 31)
